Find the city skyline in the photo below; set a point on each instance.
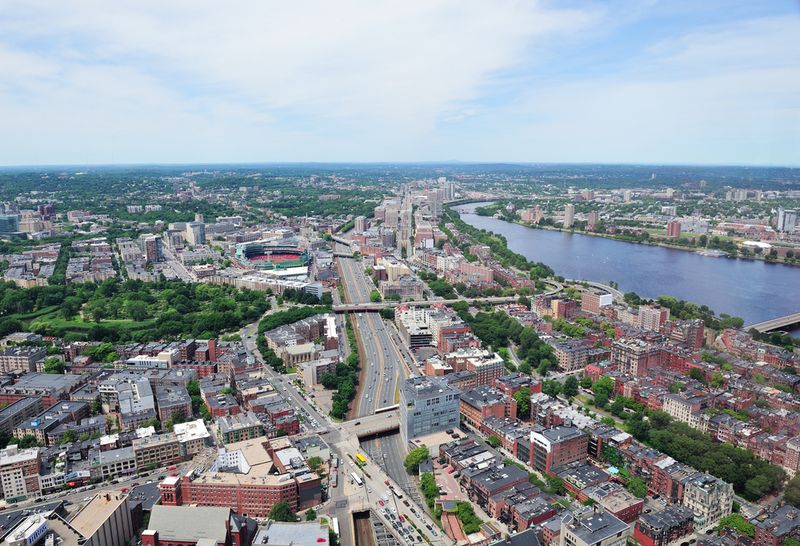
(600, 82)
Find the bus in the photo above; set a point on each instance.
(357, 479)
(361, 458)
(335, 523)
(396, 491)
(336, 462)
(334, 480)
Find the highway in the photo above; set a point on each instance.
(348, 498)
(372, 306)
(384, 363)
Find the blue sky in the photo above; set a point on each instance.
(631, 81)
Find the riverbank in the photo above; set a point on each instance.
(752, 289)
(654, 243)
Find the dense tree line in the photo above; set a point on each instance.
(752, 478)
(118, 311)
(345, 379)
(289, 316)
(499, 247)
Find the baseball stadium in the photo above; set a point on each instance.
(266, 256)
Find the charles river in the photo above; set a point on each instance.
(751, 289)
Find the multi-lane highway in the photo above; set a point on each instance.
(384, 363)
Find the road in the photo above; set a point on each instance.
(371, 306)
(385, 364)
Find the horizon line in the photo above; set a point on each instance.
(447, 162)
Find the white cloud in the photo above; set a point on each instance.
(269, 67)
(155, 81)
(730, 94)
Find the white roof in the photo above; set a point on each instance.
(191, 430)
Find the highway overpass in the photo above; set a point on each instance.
(779, 323)
(377, 306)
(371, 425)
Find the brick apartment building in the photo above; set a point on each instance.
(482, 402)
(665, 527)
(556, 447)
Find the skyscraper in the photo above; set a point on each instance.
(787, 219)
(195, 233)
(569, 215)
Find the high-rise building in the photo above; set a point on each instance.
(196, 233)
(569, 215)
(653, 317)
(360, 224)
(592, 219)
(9, 223)
(787, 219)
(153, 250)
(673, 229)
(594, 301)
(427, 405)
(47, 211)
(627, 196)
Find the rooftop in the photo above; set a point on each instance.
(294, 534)
(420, 388)
(92, 516)
(594, 526)
(192, 523)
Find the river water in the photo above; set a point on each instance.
(752, 289)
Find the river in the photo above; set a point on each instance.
(752, 289)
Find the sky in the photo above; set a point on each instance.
(617, 81)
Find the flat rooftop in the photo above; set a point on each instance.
(89, 519)
(178, 523)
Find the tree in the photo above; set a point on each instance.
(430, 490)
(29, 440)
(792, 492)
(551, 388)
(314, 463)
(281, 511)
(68, 437)
(53, 365)
(637, 487)
(570, 387)
(137, 310)
(414, 458)
(523, 398)
(329, 380)
(494, 441)
(600, 399)
(374, 296)
(586, 382)
(698, 375)
(638, 427)
(603, 384)
(311, 515)
(97, 406)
